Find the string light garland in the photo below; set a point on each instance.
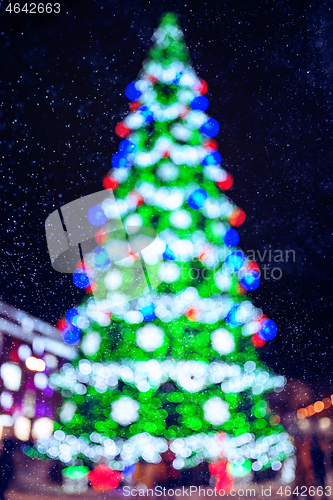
(314, 408)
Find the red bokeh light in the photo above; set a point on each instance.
(224, 479)
(121, 130)
(226, 184)
(104, 478)
(134, 105)
(91, 289)
(61, 324)
(211, 144)
(257, 341)
(253, 266)
(101, 237)
(202, 87)
(110, 183)
(237, 218)
(191, 314)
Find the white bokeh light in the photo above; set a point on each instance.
(67, 411)
(169, 272)
(113, 280)
(11, 376)
(222, 341)
(222, 281)
(90, 343)
(216, 411)
(150, 337)
(125, 410)
(181, 219)
(41, 380)
(168, 172)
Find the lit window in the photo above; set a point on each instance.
(42, 428)
(11, 376)
(22, 427)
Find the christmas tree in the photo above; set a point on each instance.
(176, 366)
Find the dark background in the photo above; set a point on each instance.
(269, 68)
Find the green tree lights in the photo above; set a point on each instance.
(176, 366)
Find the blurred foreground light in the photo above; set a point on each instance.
(38, 346)
(239, 470)
(22, 428)
(75, 479)
(11, 376)
(51, 361)
(42, 428)
(302, 413)
(24, 352)
(304, 425)
(324, 423)
(35, 364)
(6, 400)
(6, 421)
(75, 472)
(41, 380)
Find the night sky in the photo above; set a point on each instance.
(269, 68)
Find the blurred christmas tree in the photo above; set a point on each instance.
(176, 366)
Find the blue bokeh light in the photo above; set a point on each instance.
(197, 198)
(96, 216)
(70, 315)
(230, 319)
(131, 92)
(101, 259)
(268, 330)
(168, 254)
(200, 102)
(250, 280)
(71, 335)
(121, 160)
(231, 238)
(127, 146)
(211, 128)
(213, 158)
(148, 312)
(82, 278)
(235, 260)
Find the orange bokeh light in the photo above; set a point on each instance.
(274, 420)
(302, 413)
(311, 410)
(318, 406)
(327, 403)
